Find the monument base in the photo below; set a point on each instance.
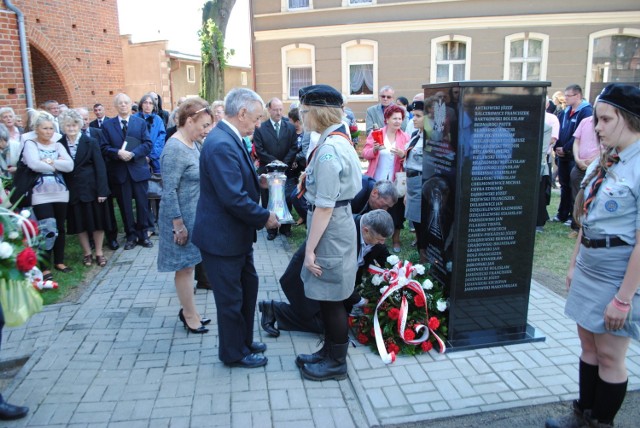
(488, 338)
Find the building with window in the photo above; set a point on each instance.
(358, 46)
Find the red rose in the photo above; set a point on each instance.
(362, 338)
(393, 348)
(409, 335)
(394, 313)
(350, 321)
(434, 323)
(419, 301)
(367, 309)
(426, 346)
(1, 226)
(26, 260)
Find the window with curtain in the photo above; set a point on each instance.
(299, 77)
(525, 59)
(297, 4)
(451, 61)
(360, 79)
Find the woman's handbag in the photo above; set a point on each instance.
(19, 301)
(401, 183)
(155, 186)
(23, 182)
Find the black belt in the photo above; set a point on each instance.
(603, 243)
(413, 173)
(337, 205)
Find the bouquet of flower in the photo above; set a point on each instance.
(405, 311)
(18, 261)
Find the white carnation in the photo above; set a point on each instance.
(419, 269)
(442, 305)
(384, 289)
(6, 250)
(393, 259)
(427, 284)
(14, 235)
(376, 280)
(25, 213)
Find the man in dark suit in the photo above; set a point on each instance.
(98, 110)
(227, 218)
(302, 313)
(275, 139)
(126, 144)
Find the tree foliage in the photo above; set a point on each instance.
(215, 17)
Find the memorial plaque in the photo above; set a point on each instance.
(480, 183)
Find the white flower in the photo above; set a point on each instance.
(25, 213)
(384, 289)
(13, 235)
(393, 259)
(427, 284)
(6, 250)
(376, 280)
(419, 269)
(442, 305)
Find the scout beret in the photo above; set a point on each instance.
(320, 96)
(624, 97)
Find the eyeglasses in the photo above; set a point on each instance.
(386, 96)
(569, 95)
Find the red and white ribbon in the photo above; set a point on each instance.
(401, 276)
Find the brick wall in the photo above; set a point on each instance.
(74, 50)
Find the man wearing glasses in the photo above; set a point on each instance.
(375, 114)
(576, 110)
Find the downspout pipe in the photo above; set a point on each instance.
(26, 71)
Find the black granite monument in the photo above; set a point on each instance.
(479, 197)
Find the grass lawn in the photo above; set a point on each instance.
(552, 250)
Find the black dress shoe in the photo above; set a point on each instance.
(257, 347)
(271, 236)
(130, 245)
(146, 243)
(250, 361)
(65, 269)
(114, 245)
(9, 412)
(268, 318)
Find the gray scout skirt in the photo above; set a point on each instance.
(597, 276)
(336, 254)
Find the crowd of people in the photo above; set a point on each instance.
(212, 159)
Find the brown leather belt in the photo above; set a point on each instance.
(603, 243)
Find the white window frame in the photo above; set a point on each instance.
(284, 6)
(346, 89)
(193, 70)
(285, 66)
(434, 54)
(634, 32)
(544, 60)
(347, 3)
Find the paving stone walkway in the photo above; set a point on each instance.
(120, 358)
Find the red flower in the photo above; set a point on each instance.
(434, 323)
(351, 321)
(409, 335)
(393, 348)
(26, 260)
(1, 226)
(367, 309)
(362, 338)
(426, 346)
(394, 313)
(419, 301)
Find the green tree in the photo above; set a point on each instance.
(215, 16)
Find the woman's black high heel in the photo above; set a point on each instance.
(199, 330)
(205, 321)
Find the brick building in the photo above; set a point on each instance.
(73, 50)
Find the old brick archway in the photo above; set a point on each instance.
(47, 82)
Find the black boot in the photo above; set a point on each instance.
(332, 366)
(10, 412)
(316, 357)
(578, 418)
(608, 400)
